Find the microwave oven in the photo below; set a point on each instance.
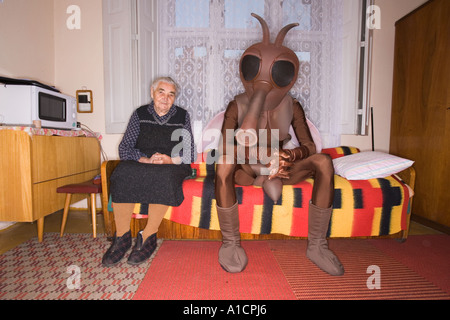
(22, 104)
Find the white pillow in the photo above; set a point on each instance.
(369, 165)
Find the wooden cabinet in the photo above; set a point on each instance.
(420, 127)
(32, 167)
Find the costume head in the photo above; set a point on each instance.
(268, 71)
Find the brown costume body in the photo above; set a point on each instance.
(268, 71)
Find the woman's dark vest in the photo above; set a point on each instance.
(156, 137)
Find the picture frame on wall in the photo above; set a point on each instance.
(84, 101)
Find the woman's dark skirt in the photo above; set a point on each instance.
(134, 182)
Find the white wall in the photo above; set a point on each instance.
(27, 40)
(79, 63)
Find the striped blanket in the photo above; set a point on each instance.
(361, 207)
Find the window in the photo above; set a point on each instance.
(365, 59)
(199, 43)
(357, 43)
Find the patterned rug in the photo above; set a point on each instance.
(67, 268)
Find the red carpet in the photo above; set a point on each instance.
(429, 256)
(189, 270)
(396, 281)
(279, 270)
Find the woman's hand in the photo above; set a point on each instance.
(157, 158)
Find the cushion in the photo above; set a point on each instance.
(369, 165)
(338, 152)
(85, 187)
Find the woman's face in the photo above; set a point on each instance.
(163, 97)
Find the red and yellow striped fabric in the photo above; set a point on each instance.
(361, 207)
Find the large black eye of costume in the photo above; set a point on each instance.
(250, 67)
(282, 73)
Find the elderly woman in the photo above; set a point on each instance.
(151, 171)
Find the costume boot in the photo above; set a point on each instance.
(317, 251)
(232, 256)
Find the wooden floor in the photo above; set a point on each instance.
(79, 221)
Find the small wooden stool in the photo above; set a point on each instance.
(85, 187)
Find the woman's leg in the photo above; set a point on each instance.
(156, 213)
(122, 217)
(122, 239)
(146, 240)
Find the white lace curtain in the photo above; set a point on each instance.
(201, 42)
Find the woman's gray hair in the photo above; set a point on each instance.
(166, 80)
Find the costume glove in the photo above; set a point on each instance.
(287, 157)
